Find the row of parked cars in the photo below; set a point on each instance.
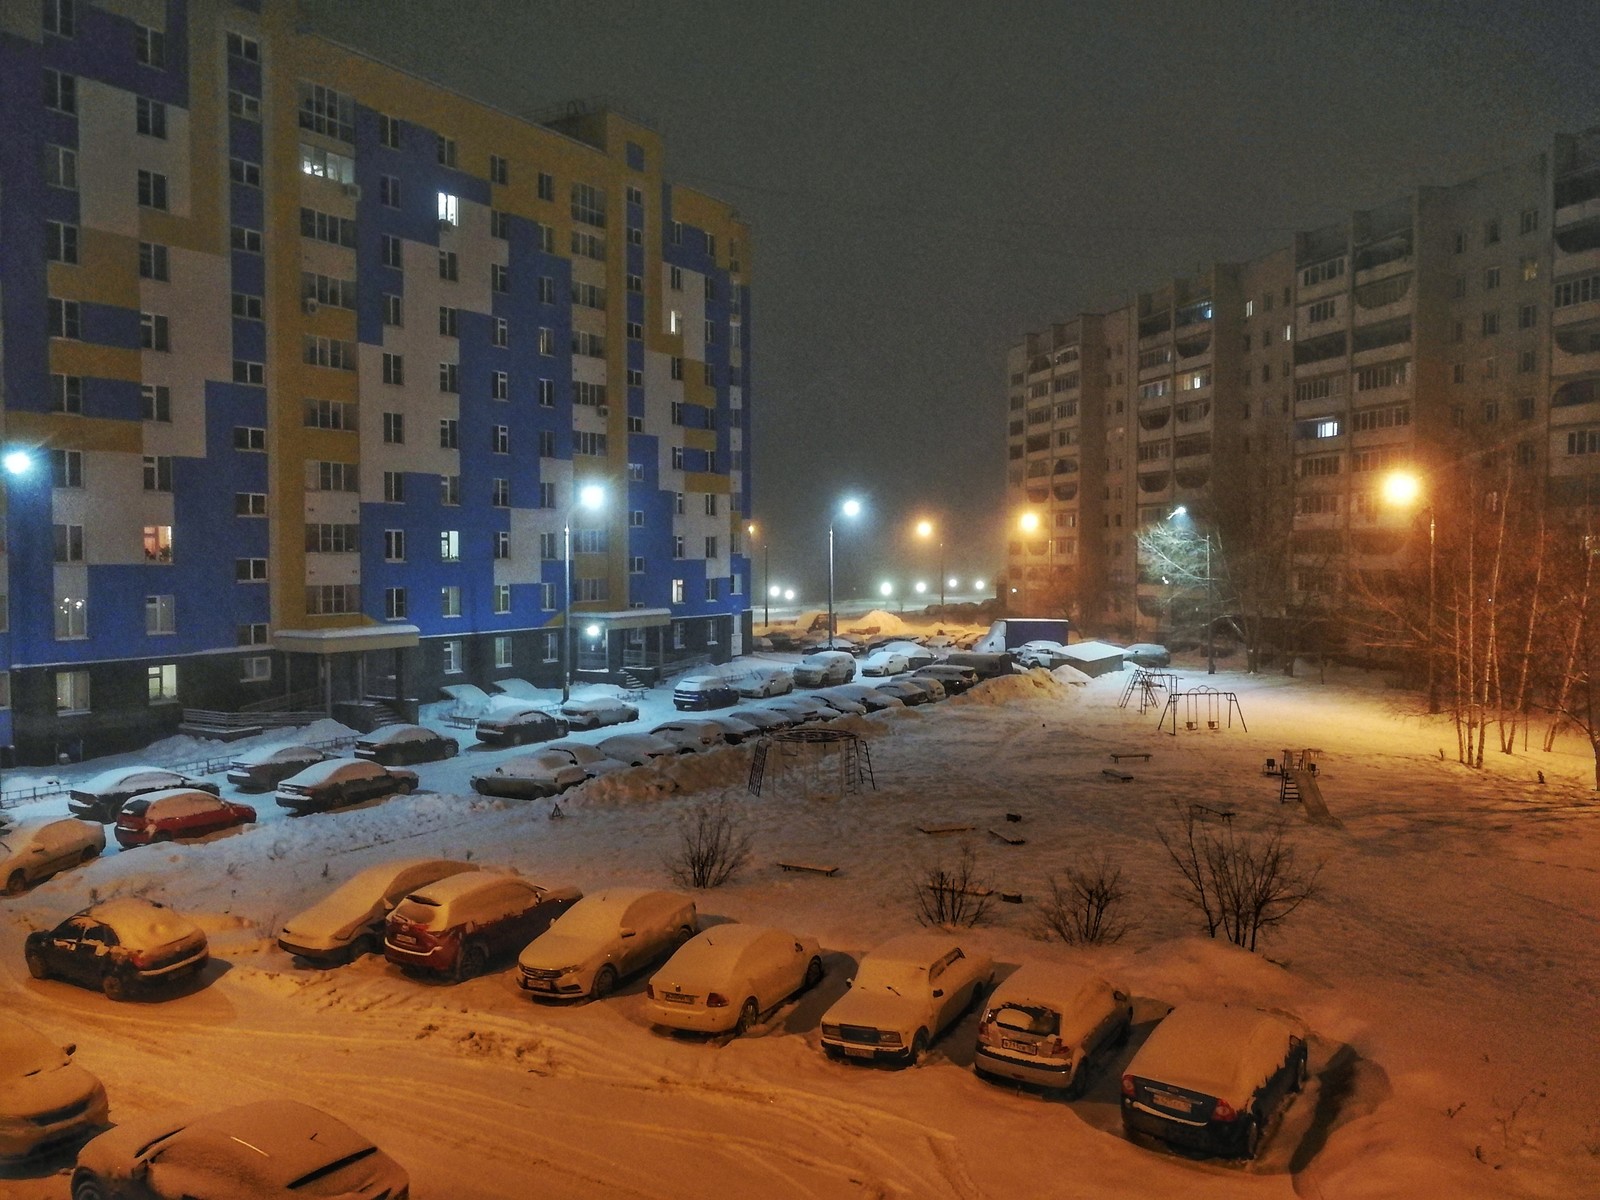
(265, 1148)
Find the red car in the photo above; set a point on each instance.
(177, 813)
(455, 926)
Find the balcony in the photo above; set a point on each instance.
(1576, 402)
(1152, 421)
(1315, 355)
(1191, 348)
(1384, 300)
(1577, 199)
(1576, 350)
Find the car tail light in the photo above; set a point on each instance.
(1127, 1085)
(716, 1000)
(1223, 1111)
(650, 990)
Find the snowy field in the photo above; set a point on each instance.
(1447, 970)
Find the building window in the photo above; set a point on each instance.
(547, 340)
(450, 490)
(249, 504)
(66, 393)
(250, 570)
(66, 468)
(499, 386)
(247, 240)
(449, 377)
(153, 190)
(394, 428)
(499, 169)
(245, 306)
(394, 604)
(153, 332)
(636, 565)
(389, 191)
(394, 545)
(149, 46)
(61, 167)
(500, 493)
(394, 487)
(500, 439)
(549, 547)
(390, 246)
(72, 691)
(61, 244)
(394, 368)
(502, 335)
(68, 543)
(65, 319)
(502, 544)
(160, 614)
(547, 393)
(547, 186)
(677, 593)
(157, 473)
(244, 106)
(449, 266)
(547, 601)
(150, 117)
(255, 669)
(72, 618)
(325, 111)
(450, 606)
(502, 642)
(449, 209)
(158, 543)
(449, 433)
(251, 635)
(1491, 231)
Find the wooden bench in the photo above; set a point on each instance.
(1119, 776)
(1118, 755)
(937, 829)
(1009, 839)
(814, 868)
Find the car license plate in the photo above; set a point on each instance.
(860, 1051)
(1168, 1100)
(404, 939)
(677, 998)
(1020, 1047)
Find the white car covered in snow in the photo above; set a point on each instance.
(727, 976)
(824, 668)
(637, 749)
(535, 776)
(1047, 1024)
(604, 938)
(885, 662)
(592, 759)
(905, 994)
(761, 682)
(46, 1099)
(264, 769)
(349, 921)
(36, 850)
(692, 735)
(595, 711)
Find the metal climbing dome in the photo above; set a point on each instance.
(822, 764)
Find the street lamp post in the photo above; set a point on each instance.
(766, 574)
(850, 508)
(1211, 616)
(590, 496)
(925, 530)
(1404, 489)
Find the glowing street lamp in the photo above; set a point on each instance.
(18, 462)
(886, 589)
(788, 593)
(925, 531)
(766, 573)
(921, 587)
(590, 496)
(1404, 490)
(977, 585)
(849, 508)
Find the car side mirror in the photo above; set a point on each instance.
(70, 1049)
(937, 992)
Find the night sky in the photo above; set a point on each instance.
(927, 182)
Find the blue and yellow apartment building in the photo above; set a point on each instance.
(304, 363)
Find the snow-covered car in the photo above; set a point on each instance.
(117, 946)
(535, 776)
(767, 720)
(341, 781)
(393, 745)
(841, 703)
(457, 926)
(1212, 1077)
(935, 689)
(35, 850)
(349, 921)
(760, 682)
(842, 643)
(725, 977)
(956, 679)
(598, 711)
(46, 1099)
(637, 749)
(734, 729)
(264, 769)
(904, 995)
(593, 760)
(803, 709)
(696, 693)
(871, 696)
(514, 725)
(1148, 654)
(691, 735)
(915, 654)
(102, 796)
(269, 1148)
(177, 813)
(1041, 652)
(824, 668)
(1046, 1025)
(885, 662)
(905, 691)
(604, 938)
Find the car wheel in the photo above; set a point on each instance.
(90, 853)
(813, 974)
(364, 945)
(114, 986)
(919, 1047)
(17, 884)
(683, 935)
(748, 1016)
(37, 967)
(605, 982)
(471, 961)
(89, 1187)
(163, 836)
(1249, 1138)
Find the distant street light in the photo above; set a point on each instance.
(592, 497)
(766, 573)
(921, 587)
(977, 585)
(788, 593)
(925, 530)
(850, 508)
(1403, 490)
(18, 462)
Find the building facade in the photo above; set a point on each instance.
(1453, 333)
(305, 362)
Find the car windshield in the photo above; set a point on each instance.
(337, 1164)
(24, 1053)
(420, 910)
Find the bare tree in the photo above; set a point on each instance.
(712, 846)
(1240, 884)
(1083, 908)
(952, 894)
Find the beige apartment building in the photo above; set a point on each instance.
(1453, 332)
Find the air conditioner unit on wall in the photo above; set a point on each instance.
(310, 305)
(603, 409)
(353, 190)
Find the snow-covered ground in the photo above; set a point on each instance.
(1447, 970)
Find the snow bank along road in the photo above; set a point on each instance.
(1445, 970)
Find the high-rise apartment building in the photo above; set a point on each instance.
(1454, 333)
(305, 362)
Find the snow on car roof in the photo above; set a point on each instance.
(290, 752)
(289, 1140)
(400, 733)
(119, 776)
(326, 769)
(602, 909)
(452, 887)
(1067, 989)
(142, 923)
(540, 762)
(1218, 1049)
